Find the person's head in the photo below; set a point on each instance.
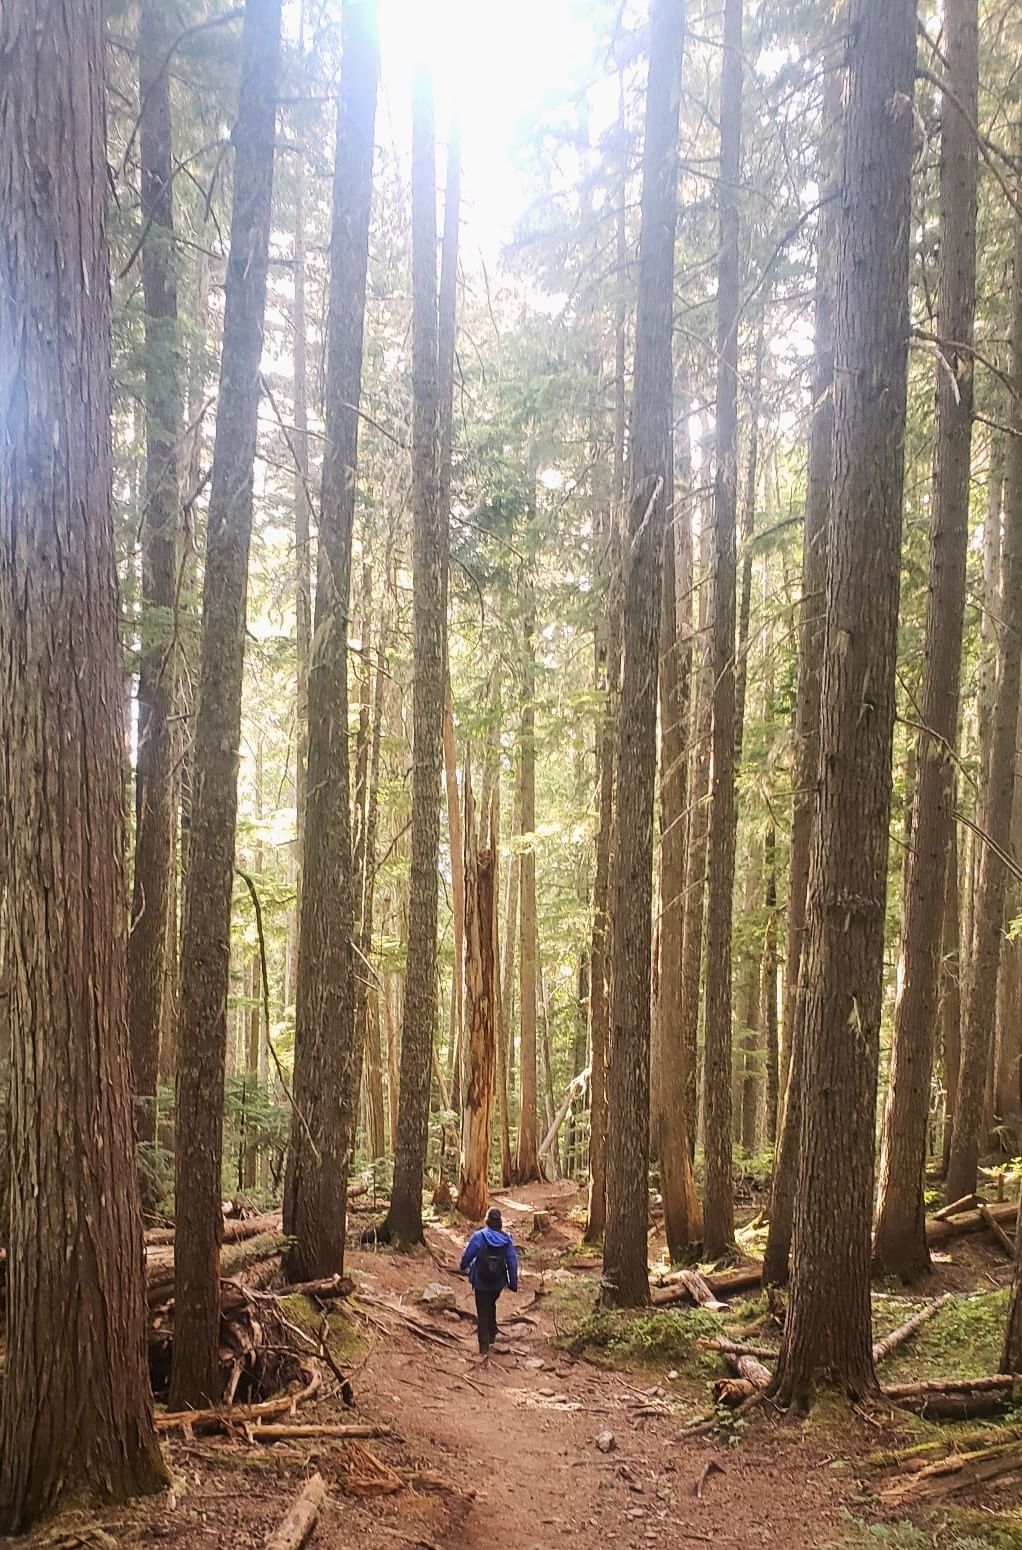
(494, 1220)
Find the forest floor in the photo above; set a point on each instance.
(507, 1450)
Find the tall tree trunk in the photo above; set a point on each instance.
(718, 1202)
(698, 832)
(480, 1013)
(149, 940)
(900, 1246)
(196, 1375)
(682, 1217)
(328, 1056)
(429, 544)
(986, 673)
(506, 1054)
(456, 835)
(768, 988)
(650, 505)
(527, 1156)
(812, 639)
(981, 986)
(951, 993)
(1007, 1095)
(367, 985)
(76, 1419)
(827, 1338)
(303, 547)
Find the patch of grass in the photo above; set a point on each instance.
(962, 1341)
(621, 1338)
(859, 1535)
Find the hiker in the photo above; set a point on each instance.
(492, 1264)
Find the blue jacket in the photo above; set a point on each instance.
(470, 1260)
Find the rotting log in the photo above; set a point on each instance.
(959, 1399)
(952, 1475)
(297, 1525)
(724, 1284)
(235, 1257)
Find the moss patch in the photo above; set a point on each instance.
(962, 1341)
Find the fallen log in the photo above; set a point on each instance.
(997, 1230)
(234, 1231)
(723, 1284)
(701, 1291)
(940, 1231)
(751, 1378)
(301, 1517)
(951, 1475)
(234, 1257)
(882, 1349)
(327, 1289)
(959, 1399)
(737, 1348)
(967, 1203)
(224, 1418)
(315, 1429)
(576, 1086)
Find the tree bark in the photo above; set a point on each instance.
(429, 544)
(149, 940)
(527, 1166)
(1007, 1093)
(827, 1336)
(651, 505)
(328, 1055)
(480, 1012)
(303, 546)
(196, 1374)
(77, 1414)
(900, 1244)
(456, 835)
(367, 983)
(698, 831)
(951, 993)
(812, 640)
(682, 1216)
(981, 986)
(718, 1201)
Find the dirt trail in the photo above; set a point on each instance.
(521, 1430)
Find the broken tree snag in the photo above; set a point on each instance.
(997, 1230)
(883, 1348)
(959, 1400)
(480, 986)
(577, 1085)
(952, 1475)
(295, 1528)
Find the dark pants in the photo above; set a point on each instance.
(486, 1318)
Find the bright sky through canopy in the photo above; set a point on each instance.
(495, 63)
